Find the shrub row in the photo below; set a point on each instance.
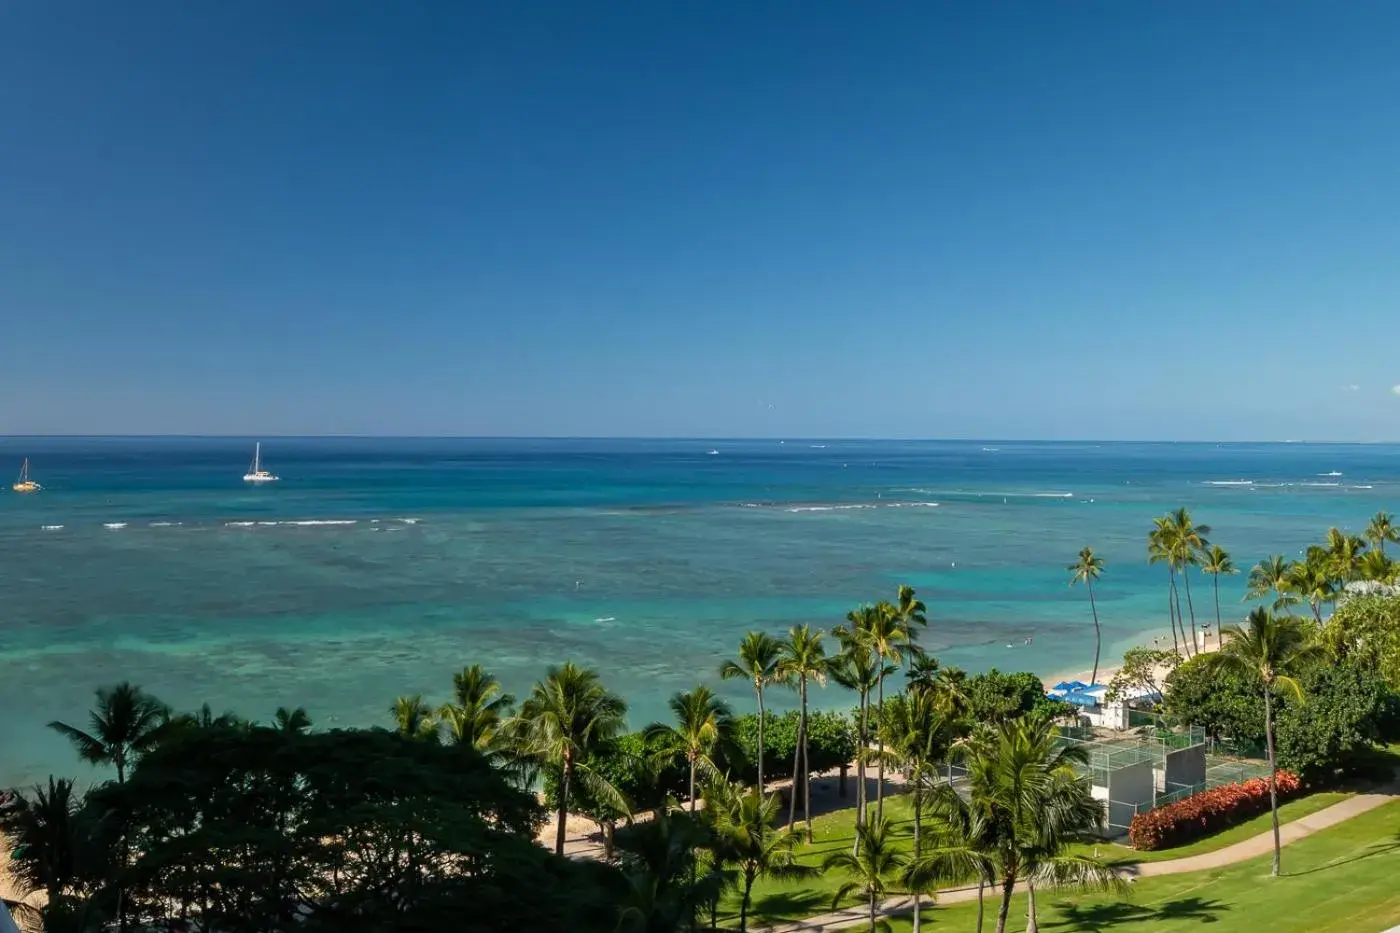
(1207, 812)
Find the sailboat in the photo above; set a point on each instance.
(24, 483)
(256, 474)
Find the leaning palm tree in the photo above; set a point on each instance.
(704, 729)
(1270, 576)
(873, 870)
(568, 715)
(919, 732)
(742, 822)
(757, 662)
(1311, 580)
(803, 662)
(414, 718)
(1086, 570)
(1216, 562)
(477, 710)
(126, 724)
(1161, 550)
(1382, 529)
(1276, 649)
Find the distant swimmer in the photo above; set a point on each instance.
(1029, 639)
(578, 583)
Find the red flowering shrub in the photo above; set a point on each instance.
(1207, 812)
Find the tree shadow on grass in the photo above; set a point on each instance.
(1113, 915)
(1371, 851)
(787, 905)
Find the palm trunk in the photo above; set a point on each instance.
(1186, 578)
(744, 904)
(563, 806)
(918, 850)
(758, 689)
(860, 767)
(1031, 925)
(1098, 637)
(872, 912)
(981, 903)
(1273, 772)
(1171, 611)
(796, 765)
(880, 743)
(1217, 609)
(692, 786)
(1180, 619)
(1008, 885)
(1317, 610)
(806, 767)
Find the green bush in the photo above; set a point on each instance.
(1346, 711)
(831, 744)
(1225, 703)
(997, 697)
(1365, 631)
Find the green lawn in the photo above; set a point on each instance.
(1342, 880)
(792, 900)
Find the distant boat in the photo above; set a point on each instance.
(713, 453)
(24, 483)
(255, 474)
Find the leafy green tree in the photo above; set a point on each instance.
(1223, 702)
(744, 836)
(1365, 631)
(126, 723)
(1086, 569)
(414, 718)
(1382, 529)
(1140, 671)
(1271, 577)
(873, 869)
(757, 662)
(803, 662)
(478, 709)
(995, 697)
(1275, 649)
(568, 715)
(704, 726)
(1216, 562)
(1348, 713)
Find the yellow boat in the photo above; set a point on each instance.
(24, 483)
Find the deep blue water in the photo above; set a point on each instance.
(376, 567)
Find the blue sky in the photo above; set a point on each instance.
(1089, 219)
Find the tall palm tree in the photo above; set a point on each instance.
(292, 721)
(873, 870)
(1024, 787)
(1382, 529)
(414, 718)
(919, 731)
(1086, 570)
(1276, 649)
(888, 639)
(1270, 575)
(757, 662)
(1376, 566)
(913, 616)
(961, 849)
(477, 710)
(126, 723)
(1216, 561)
(742, 820)
(1160, 551)
(1188, 540)
(856, 668)
(568, 715)
(1311, 580)
(47, 836)
(1344, 556)
(704, 726)
(803, 662)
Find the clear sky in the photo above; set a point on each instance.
(1083, 219)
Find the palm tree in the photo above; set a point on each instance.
(1160, 551)
(1270, 575)
(1216, 561)
(1376, 566)
(414, 718)
(1188, 541)
(1381, 530)
(1276, 649)
(292, 721)
(803, 661)
(960, 849)
(47, 838)
(1024, 787)
(477, 710)
(126, 723)
(872, 869)
(912, 614)
(568, 715)
(757, 661)
(664, 888)
(856, 668)
(1344, 555)
(887, 638)
(704, 726)
(919, 731)
(1086, 570)
(742, 821)
(1311, 580)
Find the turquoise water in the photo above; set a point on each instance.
(378, 567)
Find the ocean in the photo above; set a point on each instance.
(378, 567)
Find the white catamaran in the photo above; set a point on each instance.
(24, 483)
(256, 474)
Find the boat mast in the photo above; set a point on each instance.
(257, 456)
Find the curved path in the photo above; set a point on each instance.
(1239, 852)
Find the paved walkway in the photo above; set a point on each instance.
(1239, 852)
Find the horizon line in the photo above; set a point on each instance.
(694, 437)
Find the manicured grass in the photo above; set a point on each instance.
(1341, 880)
(775, 901)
